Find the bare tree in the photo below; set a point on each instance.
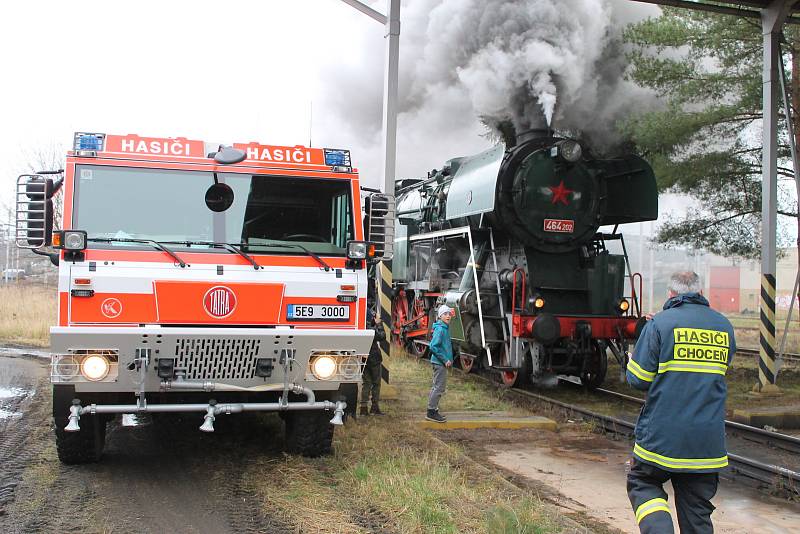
(49, 158)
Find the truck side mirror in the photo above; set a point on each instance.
(379, 229)
(34, 221)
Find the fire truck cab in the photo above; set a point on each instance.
(204, 278)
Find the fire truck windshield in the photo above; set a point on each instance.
(268, 213)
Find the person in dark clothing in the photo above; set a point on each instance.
(680, 360)
(371, 377)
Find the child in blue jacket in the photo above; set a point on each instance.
(441, 357)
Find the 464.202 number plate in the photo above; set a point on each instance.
(317, 312)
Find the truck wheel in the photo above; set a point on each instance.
(84, 446)
(309, 433)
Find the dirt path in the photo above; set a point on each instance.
(584, 474)
(162, 476)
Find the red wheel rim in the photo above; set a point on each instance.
(466, 363)
(508, 377)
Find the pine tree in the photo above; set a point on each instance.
(705, 141)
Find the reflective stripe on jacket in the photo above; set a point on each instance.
(681, 359)
(441, 346)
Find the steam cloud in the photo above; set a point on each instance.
(471, 64)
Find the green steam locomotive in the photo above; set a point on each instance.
(511, 239)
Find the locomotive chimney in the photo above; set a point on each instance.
(530, 135)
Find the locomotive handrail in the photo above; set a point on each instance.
(514, 289)
(636, 298)
(630, 273)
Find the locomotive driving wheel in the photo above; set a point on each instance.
(466, 361)
(595, 373)
(509, 378)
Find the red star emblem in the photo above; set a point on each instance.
(560, 193)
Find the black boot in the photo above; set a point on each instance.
(376, 410)
(435, 416)
(363, 411)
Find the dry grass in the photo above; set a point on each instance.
(387, 475)
(26, 314)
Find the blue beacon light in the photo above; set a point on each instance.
(89, 141)
(335, 157)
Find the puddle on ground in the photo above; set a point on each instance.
(18, 378)
(15, 351)
(595, 484)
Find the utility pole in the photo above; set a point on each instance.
(391, 21)
(772, 18)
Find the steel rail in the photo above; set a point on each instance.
(748, 432)
(787, 356)
(766, 475)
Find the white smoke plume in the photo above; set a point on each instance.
(471, 64)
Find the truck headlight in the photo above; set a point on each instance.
(357, 250)
(66, 368)
(95, 367)
(71, 240)
(350, 367)
(323, 367)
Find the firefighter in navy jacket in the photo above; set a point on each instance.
(680, 360)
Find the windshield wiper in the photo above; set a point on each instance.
(154, 244)
(304, 249)
(227, 246)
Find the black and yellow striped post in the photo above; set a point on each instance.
(384, 282)
(767, 371)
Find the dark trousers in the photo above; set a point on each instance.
(693, 493)
(371, 381)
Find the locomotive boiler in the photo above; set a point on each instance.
(515, 240)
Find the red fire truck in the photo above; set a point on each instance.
(204, 278)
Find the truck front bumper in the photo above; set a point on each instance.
(206, 359)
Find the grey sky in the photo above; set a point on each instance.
(234, 71)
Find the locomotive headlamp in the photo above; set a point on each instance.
(570, 150)
(538, 302)
(323, 367)
(624, 305)
(95, 367)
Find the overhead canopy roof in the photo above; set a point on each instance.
(741, 8)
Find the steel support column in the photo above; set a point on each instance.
(390, 83)
(772, 19)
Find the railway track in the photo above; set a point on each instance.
(762, 475)
(754, 434)
(787, 356)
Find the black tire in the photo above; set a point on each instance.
(84, 446)
(598, 365)
(309, 433)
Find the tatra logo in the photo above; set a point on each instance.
(219, 302)
(560, 193)
(111, 308)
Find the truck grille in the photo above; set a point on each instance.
(217, 358)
